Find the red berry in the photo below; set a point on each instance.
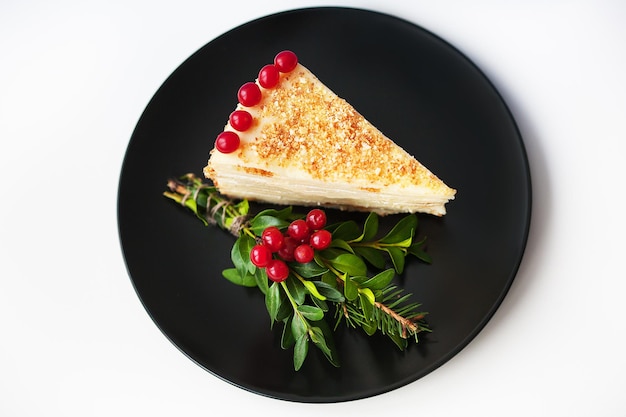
(321, 239)
(277, 270)
(240, 120)
(286, 61)
(260, 255)
(286, 252)
(249, 94)
(316, 219)
(227, 142)
(303, 253)
(273, 239)
(269, 76)
(299, 230)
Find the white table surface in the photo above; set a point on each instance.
(76, 341)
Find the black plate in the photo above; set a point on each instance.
(417, 89)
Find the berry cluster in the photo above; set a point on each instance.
(250, 95)
(298, 243)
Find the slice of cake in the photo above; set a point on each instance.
(291, 140)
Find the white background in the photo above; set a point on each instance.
(75, 339)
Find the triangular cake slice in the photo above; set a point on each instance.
(304, 145)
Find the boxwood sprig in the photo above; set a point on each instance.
(351, 280)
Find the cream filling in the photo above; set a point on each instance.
(280, 189)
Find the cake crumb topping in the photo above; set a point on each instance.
(326, 137)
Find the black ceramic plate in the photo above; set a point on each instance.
(418, 90)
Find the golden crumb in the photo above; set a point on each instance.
(370, 189)
(257, 171)
(210, 173)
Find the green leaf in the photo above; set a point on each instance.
(235, 256)
(397, 257)
(359, 279)
(380, 280)
(281, 214)
(325, 341)
(348, 230)
(273, 301)
(368, 296)
(285, 310)
(260, 223)
(192, 205)
(398, 340)
(341, 244)
(417, 250)
(311, 312)
(299, 327)
(308, 270)
(329, 279)
(242, 207)
(402, 231)
(317, 336)
(234, 276)
(371, 255)
(367, 306)
(240, 254)
(300, 350)
(260, 277)
(369, 327)
(296, 289)
(349, 264)
(330, 292)
(287, 340)
(202, 197)
(350, 289)
(312, 289)
(329, 253)
(403, 243)
(370, 228)
(321, 303)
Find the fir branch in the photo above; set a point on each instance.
(393, 316)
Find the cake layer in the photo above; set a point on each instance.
(264, 186)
